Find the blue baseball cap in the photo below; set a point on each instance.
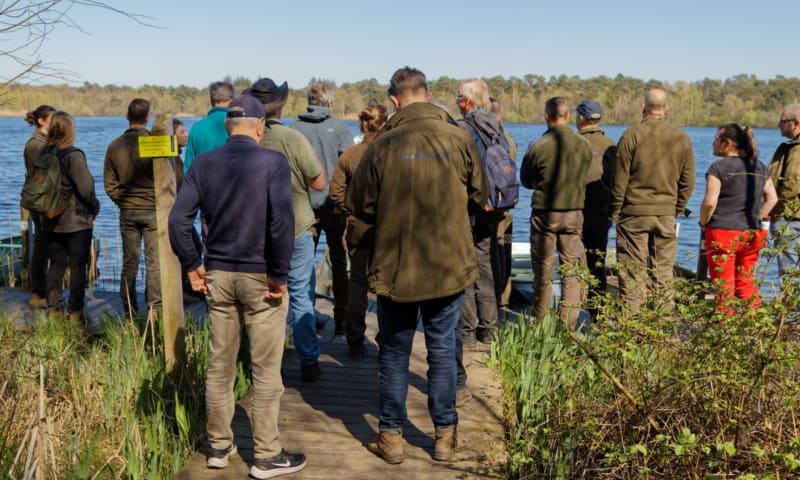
(590, 109)
(246, 106)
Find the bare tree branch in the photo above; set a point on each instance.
(26, 24)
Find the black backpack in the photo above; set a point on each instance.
(42, 193)
(499, 167)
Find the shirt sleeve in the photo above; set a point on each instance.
(181, 223)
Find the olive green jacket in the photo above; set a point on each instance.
(653, 170)
(599, 176)
(555, 167)
(784, 169)
(413, 186)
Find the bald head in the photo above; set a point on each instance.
(655, 102)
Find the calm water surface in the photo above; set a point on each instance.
(95, 133)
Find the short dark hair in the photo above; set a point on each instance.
(556, 107)
(138, 110)
(407, 79)
(220, 92)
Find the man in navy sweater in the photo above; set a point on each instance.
(250, 221)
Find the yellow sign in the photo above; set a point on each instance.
(158, 146)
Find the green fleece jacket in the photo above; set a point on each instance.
(653, 170)
(784, 169)
(413, 186)
(555, 167)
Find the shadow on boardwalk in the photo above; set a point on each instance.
(331, 420)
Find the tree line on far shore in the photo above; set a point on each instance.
(708, 102)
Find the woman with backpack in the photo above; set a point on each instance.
(39, 119)
(68, 236)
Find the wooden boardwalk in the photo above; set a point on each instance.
(330, 420)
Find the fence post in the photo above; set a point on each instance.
(171, 285)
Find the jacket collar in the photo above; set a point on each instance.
(418, 111)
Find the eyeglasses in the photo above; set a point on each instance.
(784, 120)
(460, 97)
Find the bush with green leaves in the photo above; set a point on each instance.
(687, 392)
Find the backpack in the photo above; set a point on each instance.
(499, 167)
(41, 192)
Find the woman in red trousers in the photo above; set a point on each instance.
(739, 194)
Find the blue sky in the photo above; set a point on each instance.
(202, 41)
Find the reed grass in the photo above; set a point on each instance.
(110, 410)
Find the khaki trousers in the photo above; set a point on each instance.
(551, 230)
(646, 250)
(236, 300)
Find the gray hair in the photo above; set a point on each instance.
(476, 91)
(220, 92)
(320, 94)
(792, 110)
(241, 122)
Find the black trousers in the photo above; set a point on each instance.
(73, 250)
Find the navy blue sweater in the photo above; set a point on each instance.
(244, 192)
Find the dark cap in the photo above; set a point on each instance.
(271, 95)
(246, 106)
(590, 109)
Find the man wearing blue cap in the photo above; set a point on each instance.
(596, 221)
(247, 259)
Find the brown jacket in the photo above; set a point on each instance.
(128, 179)
(653, 170)
(413, 186)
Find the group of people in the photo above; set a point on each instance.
(409, 207)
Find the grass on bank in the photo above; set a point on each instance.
(676, 391)
(110, 411)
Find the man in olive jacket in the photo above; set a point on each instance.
(555, 167)
(413, 187)
(784, 169)
(653, 180)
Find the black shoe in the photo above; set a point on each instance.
(311, 373)
(219, 458)
(280, 464)
(484, 335)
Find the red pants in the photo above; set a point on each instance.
(732, 257)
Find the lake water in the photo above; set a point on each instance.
(95, 133)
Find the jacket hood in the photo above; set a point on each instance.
(315, 113)
(485, 121)
(418, 111)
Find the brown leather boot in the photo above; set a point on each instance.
(37, 301)
(444, 450)
(388, 446)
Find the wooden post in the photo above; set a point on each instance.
(171, 285)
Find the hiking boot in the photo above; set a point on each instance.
(217, 458)
(311, 373)
(37, 301)
(463, 396)
(444, 450)
(388, 446)
(76, 317)
(484, 335)
(281, 464)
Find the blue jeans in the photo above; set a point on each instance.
(301, 300)
(398, 324)
(786, 243)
